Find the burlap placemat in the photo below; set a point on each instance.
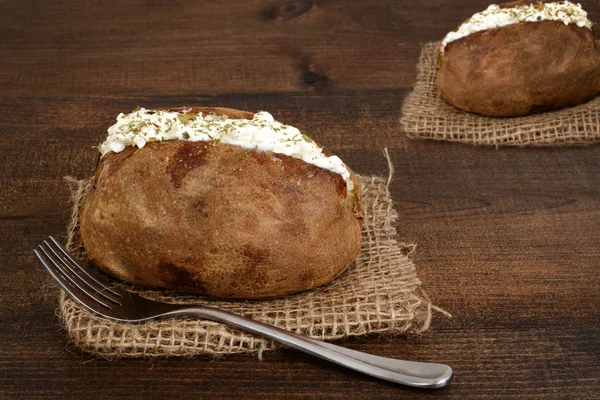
(380, 293)
(426, 115)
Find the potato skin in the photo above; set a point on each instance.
(219, 220)
(520, 69)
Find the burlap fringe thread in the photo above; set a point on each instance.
(379, 294)
(426, 115)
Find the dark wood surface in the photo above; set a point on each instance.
(508, 239)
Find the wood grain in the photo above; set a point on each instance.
(508, 239)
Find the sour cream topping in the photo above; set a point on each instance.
(261, 133)
(495, 17)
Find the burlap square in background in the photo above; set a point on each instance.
(380, 293)
(426, 115)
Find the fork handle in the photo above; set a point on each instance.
(417, 374)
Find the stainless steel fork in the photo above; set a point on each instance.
(90, 288)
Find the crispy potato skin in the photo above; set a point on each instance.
(219, 220)
(520, 69)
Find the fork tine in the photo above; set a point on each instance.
(51, 271)
(72, 272)
(86, 277)
(69, 284)
(87, 274)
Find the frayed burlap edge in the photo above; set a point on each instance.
(379, 294)
(426, 115)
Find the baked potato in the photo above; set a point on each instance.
(535, 63)
(219, 219)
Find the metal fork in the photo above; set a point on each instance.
(90, 288)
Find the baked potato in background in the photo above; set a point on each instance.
(220, 220)
(520, 69)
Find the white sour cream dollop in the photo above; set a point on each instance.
(495, 17)
(261, 133)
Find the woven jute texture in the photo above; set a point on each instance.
(426, 115)
(380, 293)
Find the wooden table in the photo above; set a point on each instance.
(508, 239)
